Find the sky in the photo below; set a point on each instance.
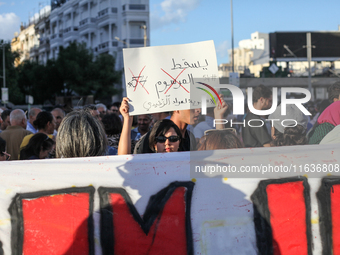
(188, 21)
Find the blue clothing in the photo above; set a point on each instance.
(203, 126)
(111, 151)
(134, 133)
(29, 127)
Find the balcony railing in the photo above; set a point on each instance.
(103, 12)
(55, 36)
(69, 29)
(106, 11)
(87, 21)
(103, 45)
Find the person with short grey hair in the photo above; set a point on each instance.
(81, 135)
(18, 118)
(102, 109)
(32, 115)
(14, 134)
(58, 114)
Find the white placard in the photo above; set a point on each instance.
(4, 95)
(167, 78)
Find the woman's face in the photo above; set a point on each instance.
(168, 146)
(44, 153)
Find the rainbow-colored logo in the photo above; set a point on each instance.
(213, 90)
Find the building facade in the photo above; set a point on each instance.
(250, 57)
(105, 26)
(25, 42)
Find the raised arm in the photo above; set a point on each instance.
(124, 146)
(219, 112)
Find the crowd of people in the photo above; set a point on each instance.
(97, 130)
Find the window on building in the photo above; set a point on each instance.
(135, 30)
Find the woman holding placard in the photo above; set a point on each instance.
(165, 136)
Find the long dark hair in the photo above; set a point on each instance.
(160, 128)
(38, 142)
(112, 124)
(291, 136)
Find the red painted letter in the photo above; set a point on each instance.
(164, 229)
(282, 217)
(53, 222)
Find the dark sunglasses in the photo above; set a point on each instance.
(172, 139)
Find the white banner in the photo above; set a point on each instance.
(155, 204)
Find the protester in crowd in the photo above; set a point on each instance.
(220, 139)
(143, 126)
(38, 147)
(258, 136)
(3, 153)
(115, 107)
(181, 118)
(295, 133)
(165, 135)
(113, 128)
(320, 107)
(334, 92)
(93, 110)
(32, 115)
(328, 120)
(112, 109)
(201, 127)
(58, 114)
(5, 116)
(14, 134)
(81, 135)
(45, 123)
(102, 109)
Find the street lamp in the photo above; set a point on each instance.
(126, 43)
(232, 35)
(3, 63)
(145, 36)
(4, 90)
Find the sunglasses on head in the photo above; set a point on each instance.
(172, 139)
(210, 131)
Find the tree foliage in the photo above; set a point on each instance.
(84, 75)
(74, 72)
(43, 82)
